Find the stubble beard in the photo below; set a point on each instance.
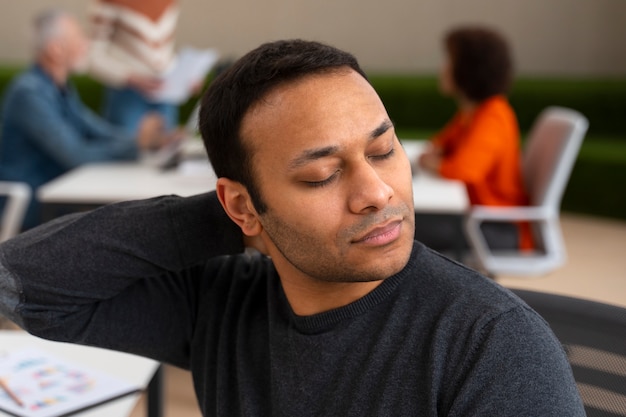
(308, 256)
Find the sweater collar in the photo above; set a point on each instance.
(319, 323)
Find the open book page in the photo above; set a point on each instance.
(49, 386)
(191, 66)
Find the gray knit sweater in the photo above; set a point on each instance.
(166, 278)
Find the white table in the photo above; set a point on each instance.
(103, 183)
(134, 369)
(432, 194)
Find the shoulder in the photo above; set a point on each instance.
(26, 80)
(473, 314)
(496, 108)
(238, 271)
(28, 92)
(456, 293)
(29, 82)
(234, 285)
(494, 120)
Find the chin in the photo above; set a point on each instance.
(387, 265)
(399, 259)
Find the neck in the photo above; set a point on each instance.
(58, 73)
(466, 105)
(308, 296)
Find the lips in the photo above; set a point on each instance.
(382, 235)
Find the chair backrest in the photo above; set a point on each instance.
(594, 337)
(550, 153)
(18, 196)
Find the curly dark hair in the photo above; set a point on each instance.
(481, 63)
(250, 79)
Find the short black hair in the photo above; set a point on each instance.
(481, 62)
(234, 91)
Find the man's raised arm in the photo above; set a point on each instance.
(55, 276)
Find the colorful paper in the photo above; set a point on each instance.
(50, 386)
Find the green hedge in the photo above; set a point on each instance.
(415, 105)
(596, 186)
(415, 102)
(603, 102)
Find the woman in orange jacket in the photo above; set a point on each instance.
(480, 145)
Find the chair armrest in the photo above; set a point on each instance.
(18, 197)
(518, 213)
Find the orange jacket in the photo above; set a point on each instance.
(482, 149)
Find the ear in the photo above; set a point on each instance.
(236, 201)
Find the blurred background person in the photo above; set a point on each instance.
(480, 145)
(46, 129)
(133, 45)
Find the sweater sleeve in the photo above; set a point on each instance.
(448, 133)
(91, 278)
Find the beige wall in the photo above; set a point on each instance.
(549, 37)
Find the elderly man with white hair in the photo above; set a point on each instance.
(46, 129)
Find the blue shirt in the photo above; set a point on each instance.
(47, 130)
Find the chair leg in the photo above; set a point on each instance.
(155, 394)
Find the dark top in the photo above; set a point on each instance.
(165, 278)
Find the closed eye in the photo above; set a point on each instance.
(384, 156)
(323, 182)
(330, 179)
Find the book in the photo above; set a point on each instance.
(50, 386)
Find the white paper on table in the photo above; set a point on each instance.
(191, 66)
(50, 386)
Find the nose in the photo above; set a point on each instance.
(368, 190)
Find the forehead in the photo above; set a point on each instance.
(62, 27)
(74, 27)
(329, 109)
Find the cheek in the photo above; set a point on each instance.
(446, 83)
(402, 172)
(319, 216)
(401, 181)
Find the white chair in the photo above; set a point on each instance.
(18, 197)
(548, 158)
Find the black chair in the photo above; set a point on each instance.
(594, 337)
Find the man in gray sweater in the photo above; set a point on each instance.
(341, 313)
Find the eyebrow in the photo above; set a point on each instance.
(381, 130)
(317, 153)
